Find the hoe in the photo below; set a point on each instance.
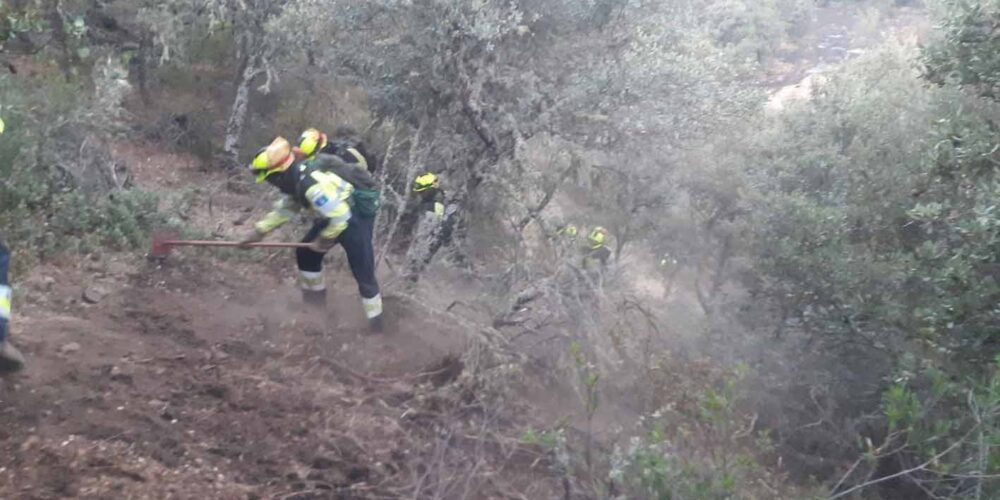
(164, 242)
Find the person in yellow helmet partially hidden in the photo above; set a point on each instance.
(325, 195)
(596, 254)
(434, 224)
(427, 186)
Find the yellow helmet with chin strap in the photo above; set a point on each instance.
(597, 237)
(312, 141)
(425, 182)
(276, 157)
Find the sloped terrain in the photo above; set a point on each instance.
(202, 376)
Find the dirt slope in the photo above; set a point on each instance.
(204, 378)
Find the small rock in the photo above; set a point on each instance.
(69, 348)
(93, 294)
(120, 376)
(47, 283)
(28, 443)
(156, 402)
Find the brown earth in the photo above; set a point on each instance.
(201, 376)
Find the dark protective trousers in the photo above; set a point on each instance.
(4, 265)
(432, 235)
(357, 243)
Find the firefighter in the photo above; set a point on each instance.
(326, 195)
(428, 188)
(434, 224)
(313, 145)
(669, 269)
(596, 254)
(565, 238)
(344, 144)
(11, 360)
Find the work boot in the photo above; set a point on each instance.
(314, 298)
(373, 311)
(11, 360)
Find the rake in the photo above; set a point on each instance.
(164, 242)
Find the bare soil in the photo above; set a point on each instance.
(202, 376)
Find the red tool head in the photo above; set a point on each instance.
(162, 243)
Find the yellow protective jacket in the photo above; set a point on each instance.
(324, 194)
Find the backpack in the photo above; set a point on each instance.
(364, 199)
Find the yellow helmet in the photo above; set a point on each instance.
(567, 230)
(425, 182)
(597, 236)
(311, 142)
(276, 157)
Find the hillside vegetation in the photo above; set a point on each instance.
(803, 299)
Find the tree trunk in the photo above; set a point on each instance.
(142, 67)
(707, 298)
(55, 19)
(238, 114)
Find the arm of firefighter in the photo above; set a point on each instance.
(439, 204)
(283, 211)
(326, 199)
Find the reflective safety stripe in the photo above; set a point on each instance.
(340, 219)
(373, 306)
(327, 201)
(312, 281)
(439, 209)
(5, 301)
(329, 198)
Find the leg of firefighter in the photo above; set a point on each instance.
(310, 265)
(357, 243)
(426, 243)
(11, 359)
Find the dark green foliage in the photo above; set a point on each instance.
(968, 52)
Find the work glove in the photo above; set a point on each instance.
(252, 237)
(322, 245)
